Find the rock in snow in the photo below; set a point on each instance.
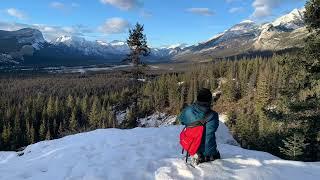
(143, 153)
(157, 120)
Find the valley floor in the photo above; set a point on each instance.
(143, 153)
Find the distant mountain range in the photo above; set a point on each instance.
(286, 32)
(28, 47)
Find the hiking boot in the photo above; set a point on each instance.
(213, 157)
(197, 159)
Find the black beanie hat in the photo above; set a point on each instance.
(204, 95)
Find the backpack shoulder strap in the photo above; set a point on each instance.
(206, 118)
(203, 121)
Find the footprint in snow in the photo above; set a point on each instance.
(25, 175)
(43, 170)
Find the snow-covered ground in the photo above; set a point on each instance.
(143, 153)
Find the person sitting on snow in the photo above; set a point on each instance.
(199, 110)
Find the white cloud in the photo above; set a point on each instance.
(16, 13)
(122, 4)
(58, 5)
(236, 10)
(264, 8)
(64, 7)
(200, 11)
(114, 26)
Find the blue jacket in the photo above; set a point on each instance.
(197, 112)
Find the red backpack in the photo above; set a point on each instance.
(191, 136)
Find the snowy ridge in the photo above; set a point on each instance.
(292, 23)
(243, 27)
(174, 46)
(31, 36)
(143, 153)
(247, 21)
(19, 43)
(293, 20)
(25, 36)
(102, 43)
(214, 37)
(102, 48)
(92, 48)
(118, 43)
(69, 40)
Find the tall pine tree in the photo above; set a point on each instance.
(137, 43)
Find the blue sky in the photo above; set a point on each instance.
(166, 21)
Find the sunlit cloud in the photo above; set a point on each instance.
(15, 13)
(123, 4)
(200, 11)
(265, 8)
(114, 26)
(62, 6)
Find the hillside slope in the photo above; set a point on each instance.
(248, 37)
(143, 153)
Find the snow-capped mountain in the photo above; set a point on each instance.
(82, 43)
(29, 47)
(285, 32)
(14, 45)
(167, 52)
(293, 20)
(69, 41)
(120, 48)
(174, 46)
(117, 43)
(28, 36)
(239, 34)
(92, 48)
